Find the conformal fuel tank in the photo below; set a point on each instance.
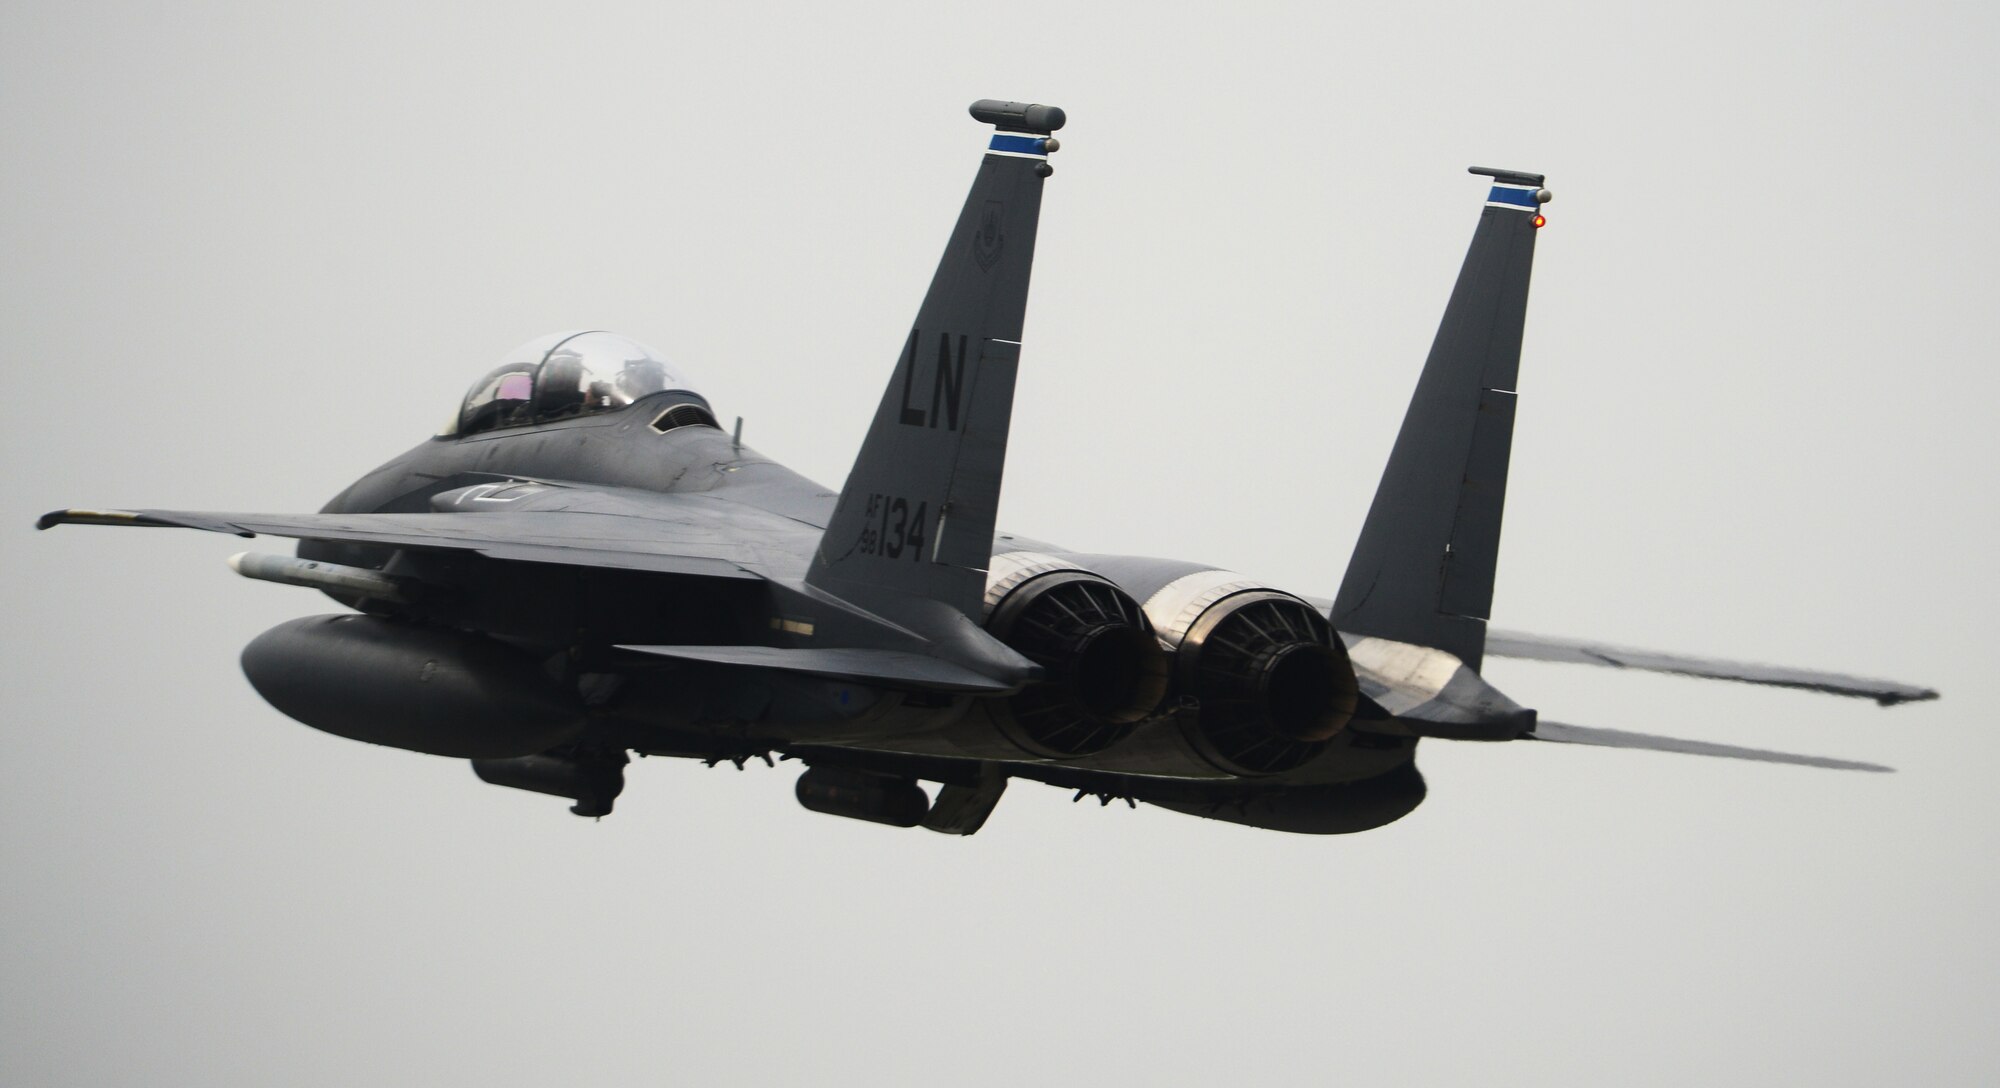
(426, 689)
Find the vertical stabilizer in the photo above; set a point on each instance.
(1422, 571)
(914, 524)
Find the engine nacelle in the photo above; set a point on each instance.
(1106, 670)
(1269, 680)
(425, 689)
(1261, 683)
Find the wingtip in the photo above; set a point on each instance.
(73, 516)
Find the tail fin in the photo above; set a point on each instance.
(915, 519)
(1422, 571)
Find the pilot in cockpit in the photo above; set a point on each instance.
(640, 377)
(563, 376)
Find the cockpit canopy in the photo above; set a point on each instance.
(564, 375)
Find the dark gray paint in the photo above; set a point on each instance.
(1422, 570)
(698, 600)
(931, 463)
(428, 689)
(838, 661)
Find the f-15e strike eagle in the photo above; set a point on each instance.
(584, 564)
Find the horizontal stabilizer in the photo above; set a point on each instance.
(1618, 738)
(894, 667)
(1574, 651)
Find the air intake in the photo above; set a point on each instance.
(684, 415)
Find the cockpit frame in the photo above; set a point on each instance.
(563, 376)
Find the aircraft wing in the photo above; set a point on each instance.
(685, 538)
(1582, 652)
(1619, 738)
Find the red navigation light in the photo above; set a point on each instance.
(1541, 221)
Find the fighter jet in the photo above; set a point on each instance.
(584, 564)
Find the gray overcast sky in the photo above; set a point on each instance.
(253, 251)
